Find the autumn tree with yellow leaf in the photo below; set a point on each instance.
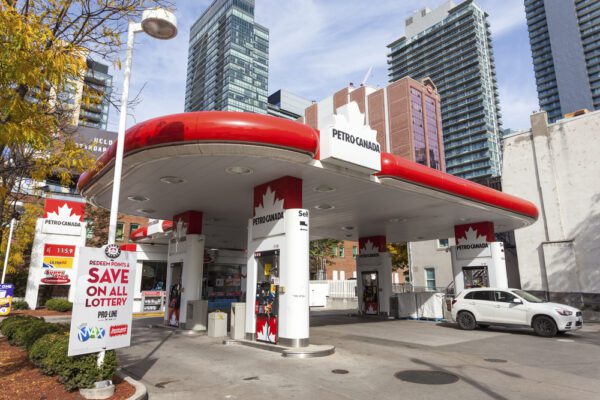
(43, 49)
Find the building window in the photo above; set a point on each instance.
(341, 251)
(89, 229)
(443, 244)
(133, 227)
(120, 235)
(430, 278)
(354, 252)
(334, 275)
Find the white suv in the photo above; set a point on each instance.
(489, 306)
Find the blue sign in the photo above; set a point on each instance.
(6, 296)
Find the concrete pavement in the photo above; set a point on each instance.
(496, 363)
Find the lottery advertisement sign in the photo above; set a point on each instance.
(6, 296)
(103, 300)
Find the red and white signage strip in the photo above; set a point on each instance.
(103, 300)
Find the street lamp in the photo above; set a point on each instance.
(160, 24)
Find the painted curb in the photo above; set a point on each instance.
(141, 392)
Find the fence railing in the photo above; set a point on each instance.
(340, 289)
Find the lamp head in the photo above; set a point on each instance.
(159, 23)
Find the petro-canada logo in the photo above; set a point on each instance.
(112, 251)
(270, 210)
(471, 240)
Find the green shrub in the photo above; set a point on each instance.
(12, 324)
(50, 354)
(20, 305)
(26, 334)
(56, 357)
(40, 349)
(61, 305)
(82, 371)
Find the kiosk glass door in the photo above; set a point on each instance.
(267, 295)
(370, 300)
(476, 277)
(175, 295)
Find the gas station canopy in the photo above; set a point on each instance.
(211, 162)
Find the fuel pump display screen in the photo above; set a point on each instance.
(267, 295)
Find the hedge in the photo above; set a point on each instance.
(19, 305)
(47, 346)
(61, 305)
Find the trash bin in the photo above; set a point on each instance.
(237, 325)
(217, 324)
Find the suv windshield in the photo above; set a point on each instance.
(528, 296)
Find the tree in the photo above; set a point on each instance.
(399, 252)
(321, 254)
(43, 50)
(21, 244)
(97, 219)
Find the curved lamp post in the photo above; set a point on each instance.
(160, 24)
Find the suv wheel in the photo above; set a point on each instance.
(545, 326)
(466, 321)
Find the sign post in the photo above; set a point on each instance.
(103, 304)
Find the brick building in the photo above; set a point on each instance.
(407, 117)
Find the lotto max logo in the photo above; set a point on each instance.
(86, 333)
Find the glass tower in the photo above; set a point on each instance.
(228, 60)
(97, 87)
(452, 46)
(565, 46)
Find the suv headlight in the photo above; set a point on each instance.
(564, 312)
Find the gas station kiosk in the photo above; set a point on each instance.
(259, 188)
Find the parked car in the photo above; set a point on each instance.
(490, 306)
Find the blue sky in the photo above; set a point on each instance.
(319, 46)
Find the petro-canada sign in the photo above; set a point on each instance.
(348, 142)
(63, 217)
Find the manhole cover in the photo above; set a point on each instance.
(426, 377)
(339, 371)
(251, 378)
(494, 360)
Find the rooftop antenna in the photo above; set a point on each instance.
(367, 76)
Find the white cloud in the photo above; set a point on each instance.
(317, 47)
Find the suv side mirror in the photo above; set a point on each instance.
(517, 301)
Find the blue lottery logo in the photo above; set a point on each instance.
(86, 333)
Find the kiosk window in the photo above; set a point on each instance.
(486, 295)
(154, 275)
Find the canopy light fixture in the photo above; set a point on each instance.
(324, 189)
(347, 228)
(172, 180)
(138, 198)
(146, 211)
(239, 170)
(324, 207)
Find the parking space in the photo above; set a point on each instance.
(374, 359)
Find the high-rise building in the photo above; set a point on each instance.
(405, 114)
(565, 47)
(284, 104)
(228, 60)
(97, 87)
(452, 46)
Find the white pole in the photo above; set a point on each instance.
(10, 232)
(114, 204)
